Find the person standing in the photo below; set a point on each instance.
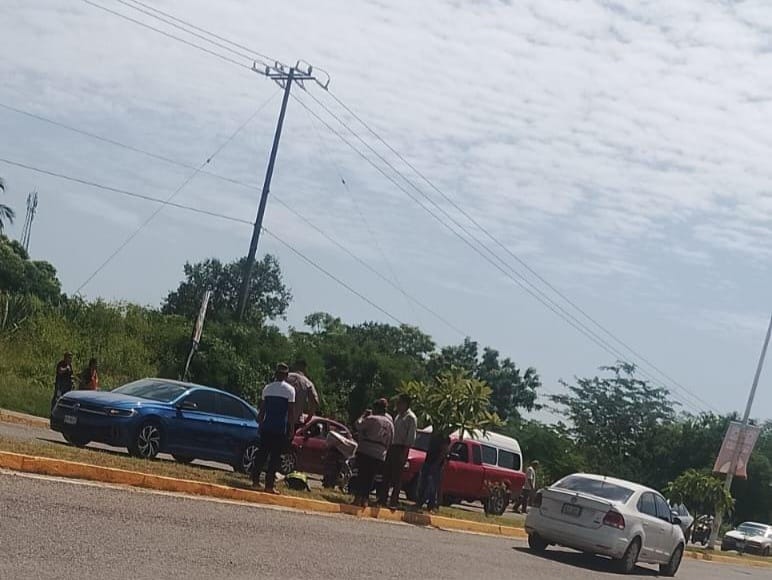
(430, 476)
(306, 397)
(528, 487)
(376, 432)
(405, 428)
(63, 379)
(89, 378)
(276, 409)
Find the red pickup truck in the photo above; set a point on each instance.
(487, 468)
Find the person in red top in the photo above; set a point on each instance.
(89, 378)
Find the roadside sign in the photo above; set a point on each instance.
(738, 436)
(199, 327)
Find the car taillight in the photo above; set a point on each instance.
(537, 500)
(614, 520)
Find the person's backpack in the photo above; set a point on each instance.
(297, 481)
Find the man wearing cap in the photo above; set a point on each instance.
(63, 381)
(276, 410)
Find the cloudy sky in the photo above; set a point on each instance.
(619, 149)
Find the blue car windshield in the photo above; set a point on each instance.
(153, 390)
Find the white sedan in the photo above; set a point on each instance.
(610, 517)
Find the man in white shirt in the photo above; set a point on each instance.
(276, 411)
(405, 430)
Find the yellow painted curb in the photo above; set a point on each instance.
(721, 559)
(57, 467)
(21, 419)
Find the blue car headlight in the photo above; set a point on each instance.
(121, 412)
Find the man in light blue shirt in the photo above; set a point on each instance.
(276, 409)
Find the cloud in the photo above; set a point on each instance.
(603, 141)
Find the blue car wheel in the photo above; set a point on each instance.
(147, 441)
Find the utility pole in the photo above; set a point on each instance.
(284, 76)
(738, 449)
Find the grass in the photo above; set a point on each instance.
(105, 458)
(24, 396)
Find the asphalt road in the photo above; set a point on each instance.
(53, 529)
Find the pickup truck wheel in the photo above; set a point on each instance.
(536, 543)
(496, 503)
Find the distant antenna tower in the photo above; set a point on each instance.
(32, 207)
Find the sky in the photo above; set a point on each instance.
(618, 149)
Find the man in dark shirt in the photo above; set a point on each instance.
(63, 380)
(430, 477)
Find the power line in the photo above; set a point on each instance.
(163, 202)
(174, 194)
(243, 184)
(530, 289)
(168, 35)
(212, 34)
(581, 326)
(512, 254)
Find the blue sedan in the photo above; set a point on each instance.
(151, 416)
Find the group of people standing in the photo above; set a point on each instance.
(383, 443)
(383, 446)
(64, 379)
(283, 403)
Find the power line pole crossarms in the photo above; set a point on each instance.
(739, 442)
(284, 76)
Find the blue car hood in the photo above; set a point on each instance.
(109, 399)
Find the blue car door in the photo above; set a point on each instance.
(195, 430)
(238, 427)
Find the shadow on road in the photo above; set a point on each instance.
(584, 561)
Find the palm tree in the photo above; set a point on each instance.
(6, 213)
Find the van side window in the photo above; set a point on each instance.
(476, 455)
(509, 460)
(461, 451)
(489, 455)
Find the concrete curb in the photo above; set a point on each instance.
(721, 559)
(60, 468)
(23, 419)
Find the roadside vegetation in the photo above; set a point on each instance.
(614, 423)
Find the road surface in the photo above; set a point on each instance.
(53, 529)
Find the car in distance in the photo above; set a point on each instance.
(687, 520)
(600, 515)
(749, 537)
(151, 416)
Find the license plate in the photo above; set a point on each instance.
(70, 419)
(572, 510)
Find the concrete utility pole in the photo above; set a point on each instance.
(284, 76)
(32, 207)
(738, 449)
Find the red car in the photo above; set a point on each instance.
(486, 468)
(309, 446)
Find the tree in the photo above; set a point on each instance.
(20, 275)
(617, 421)
(452, 401)
(551, 445)
(268, 297)
(512, 390)
(6, 213)
(701, 491)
